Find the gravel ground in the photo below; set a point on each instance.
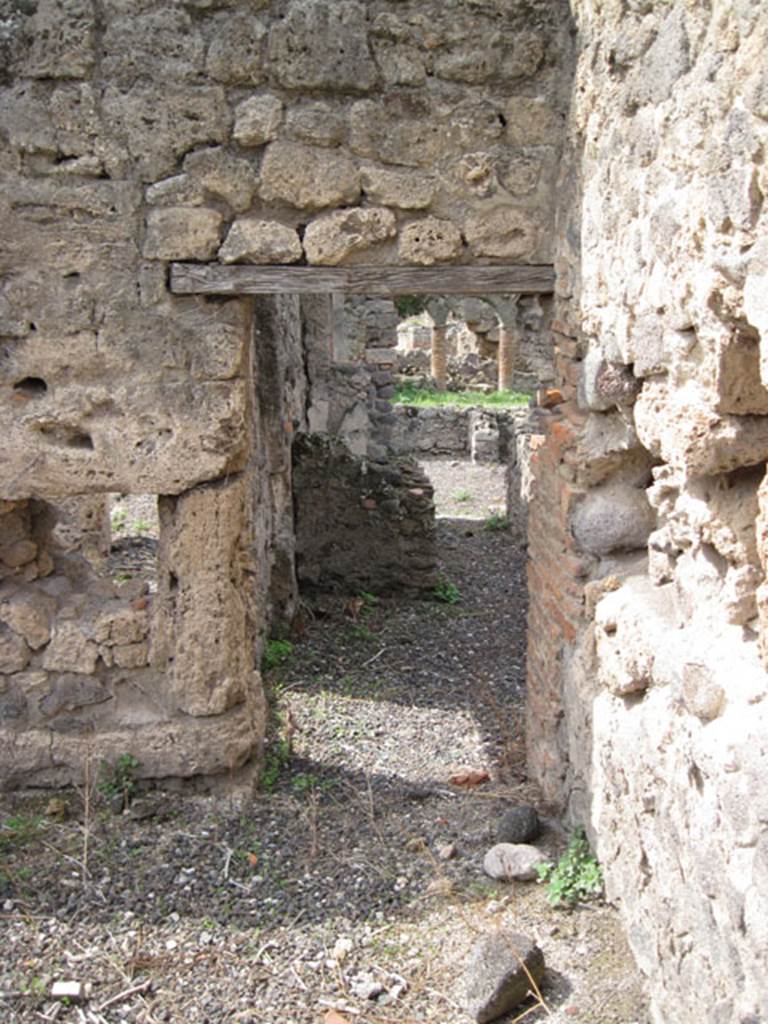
(330, 884)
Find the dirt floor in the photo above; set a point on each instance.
(350, 888)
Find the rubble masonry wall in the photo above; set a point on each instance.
(648, 716)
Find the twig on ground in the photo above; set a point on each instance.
(120, 996)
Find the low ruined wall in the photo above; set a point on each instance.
(648, 716)
(84, 674)
(480, 433)
(361, 525)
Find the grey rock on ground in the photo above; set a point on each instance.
(510, 862)
(498, 975)
(519, 825)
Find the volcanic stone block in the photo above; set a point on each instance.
(308, 178)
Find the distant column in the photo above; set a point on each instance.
(439, 357)
(509, 337)
(507, 356)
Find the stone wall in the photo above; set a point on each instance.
(134, 133)
(647, 709)
(361, 525)
(480, 433)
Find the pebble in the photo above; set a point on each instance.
(519, 824)
(495, 980)
(509, 862)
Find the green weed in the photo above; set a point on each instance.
(276, 652)
(277, 758)
(576, 877)
(496, 521)
(446, 592)
(18, 831)
(119, 779)
(463, 496)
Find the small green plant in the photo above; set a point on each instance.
(446, 592)
(118, 518)
(496, 521)
(276, 652)
(119, 779)
(576, 877)
(359, 633)
(463, 496)
(369, 601)
(141, 526)
(277, 758)
(304, 782)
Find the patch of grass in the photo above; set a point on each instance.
(496, 521)
(446, 592)
(19, 830)
(576, 878)
(359, 633)
(277, 758)
(276, 652)
(118, 517)
(463, 496)
(141, 526)
(407, 394)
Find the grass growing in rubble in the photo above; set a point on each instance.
(426, 398)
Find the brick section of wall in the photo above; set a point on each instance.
(555, 573)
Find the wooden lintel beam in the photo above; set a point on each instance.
(215, 279)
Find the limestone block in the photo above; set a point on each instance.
(520, 175)
(63, 39)
(159, 124)
(473, 66)
(158, 45)
(308, 178)
(121, 626)
(319, 45)
(331, 238)
(18, 553)
(703, 697)
(604, 385)
(429, 241)
(228, 177)
(615, 516)
(532, 121)
(179, 748)
(405, 189)
(625, 650)
(605, 443)
(202, 633)
(72, 692)
(188, 431)
(679, 427)
(400, 63)
(236, 51)
(260, 241)
(82, 524)
(316, 123)
(70, 650)
(503, 231)
(131, 655)
(29, 613)
(257, 120)
(401, 131)
(740, 390)
(182, 233)
(756, 299)
(14, 653)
